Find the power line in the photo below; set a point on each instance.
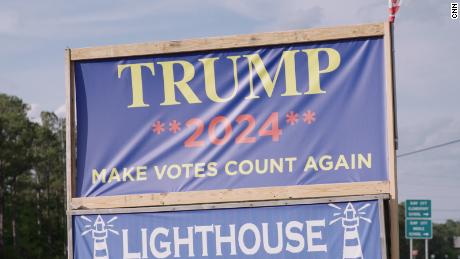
(429, 148)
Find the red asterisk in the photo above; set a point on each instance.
(174, 126)
(158, 127)
(309, 117)
(292, 117)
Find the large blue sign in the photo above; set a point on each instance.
(299, 114)
(339, 230)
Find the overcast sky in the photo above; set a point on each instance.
(34, 34)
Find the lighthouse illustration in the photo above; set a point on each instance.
(350, 218)
(99, 231)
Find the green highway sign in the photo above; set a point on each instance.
(419, 229)
(420, 209)
(418, 219)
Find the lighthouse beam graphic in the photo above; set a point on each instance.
(99, 232)
(350, 219)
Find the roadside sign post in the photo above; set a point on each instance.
(418, 222)
(411, 248)
(426, 248)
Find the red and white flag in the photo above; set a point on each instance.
(393, 6)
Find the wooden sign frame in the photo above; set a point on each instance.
(234, 195)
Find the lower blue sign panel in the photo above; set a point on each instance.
(335, 230)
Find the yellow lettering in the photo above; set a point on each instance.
(248, 169)
(199, 170)
(261, 169)
(227, 168)
(99, 176)
(366, 161)
(276, 165)
(187, 168)
(212, 170)
(326, 165)
(127, 174)
(314, 71)
(310, 164)
(341, 162)
(182, 85)
(291, 161)
(171, 173)
(353, 161)
(114, 175)
(159, 172)
(136, 82)
(141, 173)
(287, 58)
(210, 79)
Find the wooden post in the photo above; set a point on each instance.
(426, 248)
(411, 248)
(393, 203)
(70, 146)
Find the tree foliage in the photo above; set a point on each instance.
(32, 177)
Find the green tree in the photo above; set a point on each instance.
(16, 135)
(49, 179)
(32, 178)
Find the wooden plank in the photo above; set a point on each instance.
(394, 220)
(390, 111)
(69, 236)
(231, 195)
(70, 144)
(383, 239)
(232, 205)
(70, 126)
(251, 40)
